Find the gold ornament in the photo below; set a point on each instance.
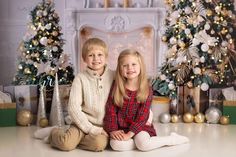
(24, 117)
(55, 33)
(164, 38)
(224, 120)
(209, 12)
(35, 42)
(199, 118)
(43, 122)
(190, 84)
(188, 117)
(174, 118)
(27, 71)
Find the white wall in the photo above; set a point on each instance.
(13, 25)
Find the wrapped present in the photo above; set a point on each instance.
(64, 92)
(159, 105)
(27, 98)
(177, 105)
(229, 109)
(195, 100)
(7, 114)
(216, 98)
(11, 91)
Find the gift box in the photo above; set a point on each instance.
(195, 100)
(216, 98)
(27, 98)
(177, 105)
(159, 105)
(229, 109)
(7, 114)
(11, 91)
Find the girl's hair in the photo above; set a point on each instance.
(119, 89)
(94, 43)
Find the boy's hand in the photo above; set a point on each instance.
(104, 132)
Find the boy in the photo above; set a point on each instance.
(86, 107)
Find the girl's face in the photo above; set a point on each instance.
(96, 60)
(130, 67)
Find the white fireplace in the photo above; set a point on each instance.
(120, 28)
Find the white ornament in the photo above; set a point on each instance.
(204, 87)
(187, 31)
(48, 26)
(54, 48)
(197, 70)
(171, 86)
(163, 77)
(43, 41)
(45, 13)
(173, 40)
(202, 59)
(224, 43)
(207, 26)
(188, 10)
(204, 47)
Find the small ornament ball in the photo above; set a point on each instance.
(199, 118)
(224, 120)
(43, 122)
(174, 118)
(24, 117)
(188, 117)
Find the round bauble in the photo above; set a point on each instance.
(188, 117)
(199, 118)
(165, 118)
(43, 122)
(213, 115)
(174, 118)
(24, 117)
(224, 120)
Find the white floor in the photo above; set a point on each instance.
(205, 140)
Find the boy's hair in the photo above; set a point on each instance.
(143, 89)
(94, 43)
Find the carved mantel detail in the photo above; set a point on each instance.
(116, 23)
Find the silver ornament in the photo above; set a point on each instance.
(213, 115)
(165, 118)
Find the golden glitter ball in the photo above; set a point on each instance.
(209, 12)
(164, 38)
(174, 118)
(188, 117)
(24, 117)
(199, 118)
(43, 122)
(224, 120)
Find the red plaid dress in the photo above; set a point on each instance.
(131, 117)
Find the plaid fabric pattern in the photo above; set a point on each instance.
(131, 117)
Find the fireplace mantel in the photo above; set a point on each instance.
(112, 20)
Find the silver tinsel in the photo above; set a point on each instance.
(56, 114)
(41, 106)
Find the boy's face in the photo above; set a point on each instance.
(96, 59)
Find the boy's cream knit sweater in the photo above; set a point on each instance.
(88, 96)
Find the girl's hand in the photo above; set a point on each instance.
(128, 135)
(104, 132)
(117, 135)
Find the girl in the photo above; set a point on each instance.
(128, 108)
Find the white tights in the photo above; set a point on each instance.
(144, 142)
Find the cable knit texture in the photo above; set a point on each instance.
(88, 96)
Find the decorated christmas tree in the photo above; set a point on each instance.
(200, 36)
(41, 54)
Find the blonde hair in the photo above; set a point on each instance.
(119, 89)
(94, 43)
